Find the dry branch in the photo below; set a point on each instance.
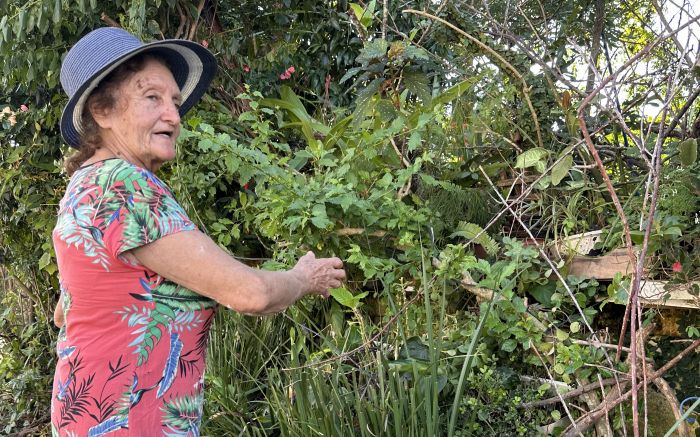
(587, 420)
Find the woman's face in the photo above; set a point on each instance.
(145, 123)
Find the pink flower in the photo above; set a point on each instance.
(23, 108)
(246, 68)
(205, 43)
(677, 267)
(287, 73)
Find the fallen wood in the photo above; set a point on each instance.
(347, 232)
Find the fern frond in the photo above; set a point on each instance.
(477, 234)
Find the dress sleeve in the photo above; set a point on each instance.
(147, 211)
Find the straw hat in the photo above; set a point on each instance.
(99, 52)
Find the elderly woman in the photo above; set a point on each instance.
(139, 282)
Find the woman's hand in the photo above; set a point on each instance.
(318, 275)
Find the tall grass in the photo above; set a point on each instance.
(296, 375)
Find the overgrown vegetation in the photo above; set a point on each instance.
(442, 161)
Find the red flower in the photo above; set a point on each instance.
(246, 68)
(23, 108)
(205, 43)
(677, 267)
(291, 70)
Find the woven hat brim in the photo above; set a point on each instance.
(193, 79)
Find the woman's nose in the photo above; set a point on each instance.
(172, 113)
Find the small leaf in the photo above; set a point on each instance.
(45, 260)
(344, 297)
(562, 335)
(575, 327)
(509, 345)
(414, 141)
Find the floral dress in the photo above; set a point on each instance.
(131, 354)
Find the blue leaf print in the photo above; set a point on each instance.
(193, 431)
(114, 216)
(145, 284)
(136, 395)
(142, 297)
(170, 369)
(66, 352)
(63, 387)
(112, 424)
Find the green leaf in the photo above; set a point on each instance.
(363, 99)
(417, 83)
(344, 297)
(350, 73)
(21, 21)
(688, 152)
(575, 327)
(4, 28)
(416, 349)
(530, 158)
(509, 345)
(414, 141)
(413, 52)
(373, 51)
(472, 231)
(454, 91)
(57, 12)
(562, 335)
(44, 260)
(561, 169)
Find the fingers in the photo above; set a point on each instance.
(322, 273)
(336, 262)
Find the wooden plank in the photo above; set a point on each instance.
(653, 293)
(601, 267)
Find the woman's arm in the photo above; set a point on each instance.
(58, 316)
(195, 261)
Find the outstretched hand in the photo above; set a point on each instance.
(319, 274)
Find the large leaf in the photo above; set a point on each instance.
(688, 152)
(373, 51)
(454, 91)
(417, 83)
(530, 158)
(416, 349)
(561, 169)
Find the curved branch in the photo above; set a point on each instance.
(498, 59)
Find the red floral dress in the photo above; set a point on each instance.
(131, 354)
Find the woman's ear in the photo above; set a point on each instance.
(101, 115)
